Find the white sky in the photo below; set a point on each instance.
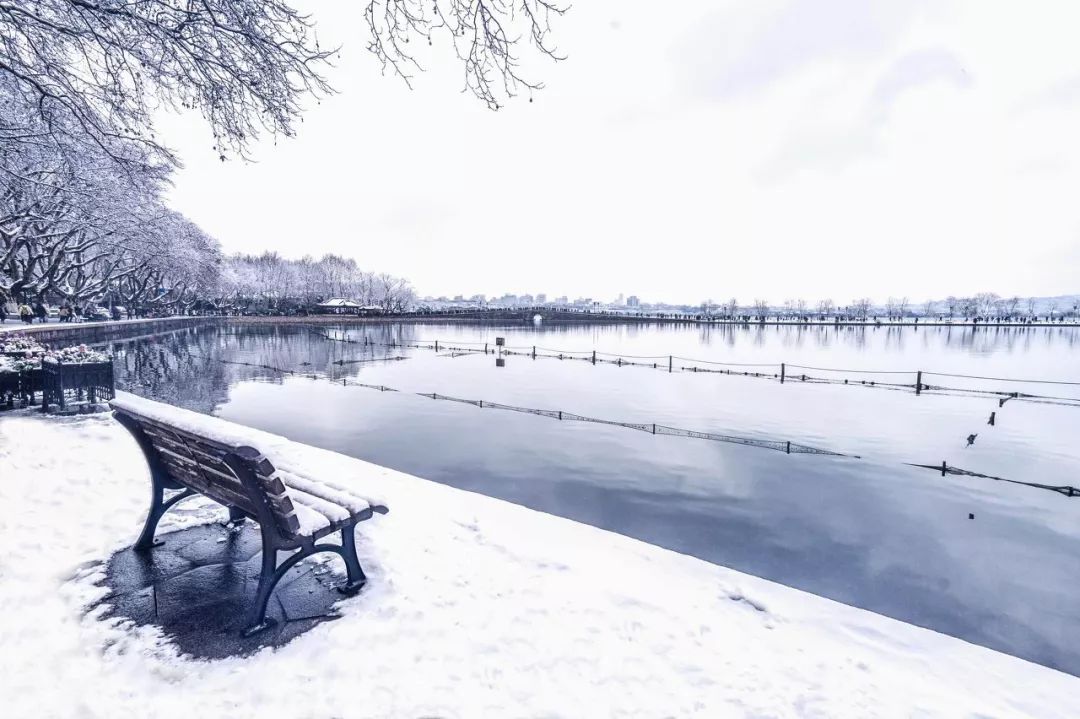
(691, 150)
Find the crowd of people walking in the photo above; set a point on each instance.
(67, 312)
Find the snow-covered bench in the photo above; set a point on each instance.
(199, 454)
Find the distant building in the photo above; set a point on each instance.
(633, 301)
(527, 300)
(562, 300)
(541, 298)
(339, 306)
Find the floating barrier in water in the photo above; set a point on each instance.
(755, 370)
(945, 469)
(777, 445)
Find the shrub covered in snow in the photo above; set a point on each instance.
(19, 364)
(80, 354)
(21, 343)
(32, 356)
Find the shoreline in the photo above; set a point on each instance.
(102, 332)
(564, 319)
(540, 615)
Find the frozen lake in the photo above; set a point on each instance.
(869, 531)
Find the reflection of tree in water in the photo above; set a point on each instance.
(177, 368)
(195, 367)
(977, 340)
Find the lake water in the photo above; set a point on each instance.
(870, 531)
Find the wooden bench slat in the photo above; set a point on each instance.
(194, 474)
(189, 474)
(217, 492)
(270, 480)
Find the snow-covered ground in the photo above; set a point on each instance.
(475, 608)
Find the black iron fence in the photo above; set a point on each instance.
(65, 384)
(58, 385)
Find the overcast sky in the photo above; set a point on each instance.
(759, 149)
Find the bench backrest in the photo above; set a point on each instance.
(203, 465)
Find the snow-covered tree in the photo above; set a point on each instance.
(486, 35)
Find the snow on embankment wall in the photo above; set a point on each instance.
(55, 333)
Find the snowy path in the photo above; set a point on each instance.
(476, 608)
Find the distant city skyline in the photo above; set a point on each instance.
(986, 302)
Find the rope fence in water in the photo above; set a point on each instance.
(651, 428)
(781, 371)
(784, 446)
(945, 469)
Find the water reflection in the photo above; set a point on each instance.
(195, 367)
(870, 532)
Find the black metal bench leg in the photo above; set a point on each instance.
(236, 516)
(356, 576)
(268, 577)
(157, 508)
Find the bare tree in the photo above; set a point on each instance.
(952, 304)
(97, 70)
(732, 307)
(761, 309)
(985, 302)
(1013, 305)
(486, 36)
(826, 307)
(929, 308)
(861, 307)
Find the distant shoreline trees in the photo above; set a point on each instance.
(985, 306)
(272, 282)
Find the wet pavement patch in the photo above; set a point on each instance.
(198, 585)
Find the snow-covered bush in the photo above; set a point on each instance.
(21, 343)
(80, 354)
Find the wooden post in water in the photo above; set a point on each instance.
(783, 369)
(594, 356)
(669, 358)
(534, 351)
(918, 383)
(436, 345)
